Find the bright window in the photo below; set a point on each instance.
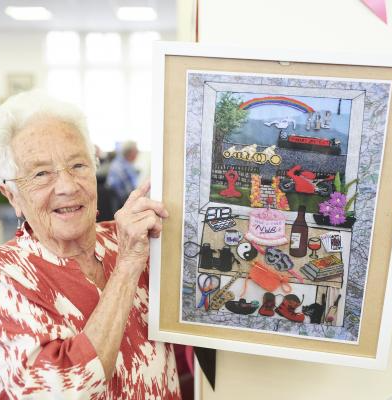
(66, 85)
(140, 62)
(140, 107)
(114, 91)
(105, 107)
(140, 47)
(103, 48)
(62, 48)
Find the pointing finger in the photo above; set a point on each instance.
(148, 204)
(145, 187)
(139, 192)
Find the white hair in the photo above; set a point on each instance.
(17, 111)
(127, 147)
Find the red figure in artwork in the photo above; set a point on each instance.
(302, 181)
(231, 177)
(270, 201)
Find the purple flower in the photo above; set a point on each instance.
(325, 208)
(337, 216)
(338, 199)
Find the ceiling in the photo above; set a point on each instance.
(90, 15)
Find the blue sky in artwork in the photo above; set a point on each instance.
(256, 131)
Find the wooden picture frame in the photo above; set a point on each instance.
(186, 78)
(19, 82)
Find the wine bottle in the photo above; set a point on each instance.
(299, 234)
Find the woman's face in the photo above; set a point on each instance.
(64, 209)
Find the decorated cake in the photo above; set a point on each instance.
(266, 227)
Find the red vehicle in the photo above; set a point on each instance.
(306, 182)
(329, 146)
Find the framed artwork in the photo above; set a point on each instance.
(19, 83)
(275, 171)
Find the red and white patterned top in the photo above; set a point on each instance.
(45, 302)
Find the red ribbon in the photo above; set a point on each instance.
(378, 7)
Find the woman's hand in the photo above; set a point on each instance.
(137, 220)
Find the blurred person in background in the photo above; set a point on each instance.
(74, 293)
(123, 175)
(104, 158)
(107, 202)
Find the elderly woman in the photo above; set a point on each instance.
(73, 293)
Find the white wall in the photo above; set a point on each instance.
(246, 377)
(333, 25)
(21, 53)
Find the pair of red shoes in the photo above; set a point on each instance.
(286, 308)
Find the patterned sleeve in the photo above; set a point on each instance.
(39, 358)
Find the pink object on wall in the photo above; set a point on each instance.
(378, 7)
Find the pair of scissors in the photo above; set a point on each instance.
(208, 284)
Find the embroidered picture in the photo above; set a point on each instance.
(281, 177)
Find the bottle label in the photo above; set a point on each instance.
(295, 240)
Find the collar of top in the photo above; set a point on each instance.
(32, 245)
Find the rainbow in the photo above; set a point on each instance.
(276, 101)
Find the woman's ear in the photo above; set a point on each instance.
(12, 198)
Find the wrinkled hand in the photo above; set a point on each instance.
(137, 221)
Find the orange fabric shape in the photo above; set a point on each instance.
(268, 279)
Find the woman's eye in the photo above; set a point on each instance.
(78, 165)
(41, 174)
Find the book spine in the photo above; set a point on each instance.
(331, 268)
(317, 274)
(318, 278)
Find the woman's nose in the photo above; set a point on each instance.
(65, 182)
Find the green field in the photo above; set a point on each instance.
(239, 201)
(311, 202)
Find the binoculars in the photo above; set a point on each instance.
(222, 263)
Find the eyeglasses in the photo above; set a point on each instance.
(48, 176)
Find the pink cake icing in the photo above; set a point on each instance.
(266, 227)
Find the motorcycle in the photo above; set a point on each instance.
(306, 182)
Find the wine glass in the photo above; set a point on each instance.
(314, 244)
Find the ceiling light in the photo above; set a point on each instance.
(136, 14)
(28, 13)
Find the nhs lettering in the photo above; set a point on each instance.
(266, 229)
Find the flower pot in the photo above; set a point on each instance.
(320, 219)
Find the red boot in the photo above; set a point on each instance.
(268, 305)
(288, 306)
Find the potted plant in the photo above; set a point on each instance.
(336, 210)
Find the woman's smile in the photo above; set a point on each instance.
(69, 211)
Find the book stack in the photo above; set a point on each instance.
(323, 268)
